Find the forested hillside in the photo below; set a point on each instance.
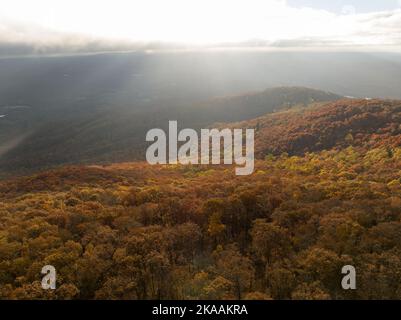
(32, 139)
(135, 231)
(349, 122)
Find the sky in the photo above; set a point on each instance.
(339, 6)
(277, 23)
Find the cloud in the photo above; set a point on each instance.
(48, 26)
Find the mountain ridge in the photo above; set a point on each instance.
(364, 123)
(117, 135)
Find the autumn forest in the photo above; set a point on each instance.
(326, 192)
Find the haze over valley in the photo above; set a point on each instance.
(98, 108)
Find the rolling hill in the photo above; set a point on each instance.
(360, 123)
(329, 196)
(135, 231)
(28, 143)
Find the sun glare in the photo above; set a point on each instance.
(160, 20)
(201, 21)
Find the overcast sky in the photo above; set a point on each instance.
(279, 23)
(338, 6)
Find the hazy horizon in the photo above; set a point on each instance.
(65, 27)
